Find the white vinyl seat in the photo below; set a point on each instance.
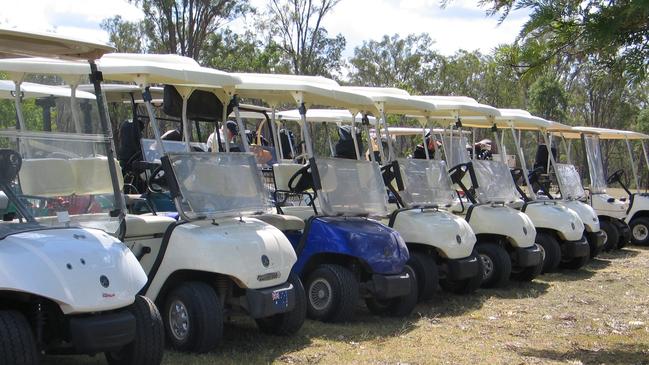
(146, 225)
(282, 222)
(283, 173)
(61, 178)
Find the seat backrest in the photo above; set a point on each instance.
(61, 177)
(283, 173)
(92, 176)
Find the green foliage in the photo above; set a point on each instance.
(127, 37)
(230, 51)
(548, 99)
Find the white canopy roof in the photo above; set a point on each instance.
(312, 90)
(395, 101)
(462, 106)
(46, 66)
(31, 91)
(605, 133)
(14, 42)
(176, 70)
(411, 131)
(323, 115)
(518, 118)
(116, 93)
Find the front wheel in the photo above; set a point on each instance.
(551, 250)
(332, 293)
(399, 306)
(528, 273)
(288, 323)
(148, 346)
(465, 286)
(611, 235)
(427, 274)
(496, 265)
(193, 318)
(17, 344)
(640, 231)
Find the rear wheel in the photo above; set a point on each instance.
(399, 306)
(193, 318)
(551, 250)
(465, 286)
(148, 346)
(17, 344)
(611, 235)
(290, 322)
(332, 293)
(640, 231)
(496, 265)
(427, 274)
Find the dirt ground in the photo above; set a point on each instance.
(596, 315)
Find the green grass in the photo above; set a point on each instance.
(597, 315)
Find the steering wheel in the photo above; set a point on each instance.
(615, 177)
(517, 174)
(157, 180)
(299, 178)
(10, 163)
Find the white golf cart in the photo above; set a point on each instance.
(621, 220)
(216, 260)
(68, 285)
(560, 230)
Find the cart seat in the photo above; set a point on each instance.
(283, 173)
(146, 225)
(282, 222)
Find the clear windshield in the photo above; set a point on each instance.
(455, 149)
(569, 181)
(426, 182)
(595, 164)
(215, 185)
(151, 152)
(351, 187)
(64, 180)
(495, 182)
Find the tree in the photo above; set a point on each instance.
(174, 26)
(615, 31)
(234, 52)
(296, 25)
(408, 63)
(548, 99)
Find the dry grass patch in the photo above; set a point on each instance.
(597, 315)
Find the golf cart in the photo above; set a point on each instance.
(68, 285)
(216, 260)
(343, 254)
(621, 220)
(560, 230)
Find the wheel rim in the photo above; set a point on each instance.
(640, 232)
(179, 320)
(605, 237)
(487, 266)
(320, 294)
(542, 249)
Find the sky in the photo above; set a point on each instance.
(460, 25)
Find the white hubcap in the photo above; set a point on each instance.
(640, 232)
(487, 266)
(320, 294)
(179, 320)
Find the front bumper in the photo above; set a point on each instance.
(526, 256)
(459, 269)
(266, 302)
(102, 332)
(573, 249)
(388, 286)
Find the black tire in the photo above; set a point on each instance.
(285, 324)
(204, 313)
(465, 286)
(592, 243)
(575, 263)
(496, 265)
(399, 306)
(17, 343)
(551, 249)
(427, 274)
(148, 347)
(639, 231)
(527, 273)
(612, 235)
(339, 289)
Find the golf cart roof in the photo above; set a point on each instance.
(116, 93)
(144, 69)
(313, 90)
(395, 101)
(518, 118)
(412, 131)
(463, 106)
(46, 66)
(32, 91)
(17, 43)
(323, 115)
(604, 133)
